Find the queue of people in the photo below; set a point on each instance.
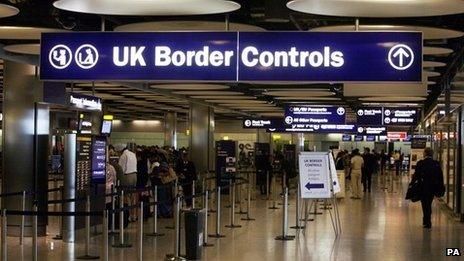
(145, 166)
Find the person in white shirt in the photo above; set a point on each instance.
(128, 163)
(357, 164)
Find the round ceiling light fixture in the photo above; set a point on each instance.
(33, 49)
(185, 26)
(144, 7)
(429, 33)
(24, 33)
(8, 10)
(378, 8)
(428, 50)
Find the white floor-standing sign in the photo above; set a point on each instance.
(319, 181)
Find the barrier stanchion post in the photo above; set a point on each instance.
(55, 193)
(113, 207)
(155, 216)
(297, 209)
(205, 229)
(176, 255)
(4, 236)
(212, 197)
(248, 212)
(34, 234)
(59, 236)
(232, 208)
(121, 244)
(176, 192)
(267, 185)
(274, 194)
(87, 255)
(218, 214)
(285, 236)
(240, 210)
(140, 234)
(105, 236)
(193, 193)
(23, 208)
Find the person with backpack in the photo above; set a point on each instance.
(429, 176)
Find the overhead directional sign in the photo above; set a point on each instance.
(262, 123)
(400, 116)
(369, 116)
(233, 56)
(314, 115)
(372, 130)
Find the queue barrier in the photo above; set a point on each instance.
(105, 215)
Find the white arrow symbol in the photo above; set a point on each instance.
(401, 53)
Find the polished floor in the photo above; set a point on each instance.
(382, 226)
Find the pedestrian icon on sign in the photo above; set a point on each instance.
(401, 57)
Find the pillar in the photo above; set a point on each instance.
(25, 142)
(263, 136)
(298, 139)
(201, 125)
(170, 129)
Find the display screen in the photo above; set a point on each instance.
(358, 138)
(98, 159)
(106, 127)
(346, 137)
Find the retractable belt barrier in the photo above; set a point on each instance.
(205, 193)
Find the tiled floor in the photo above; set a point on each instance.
(382, 226)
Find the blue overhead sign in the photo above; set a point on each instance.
(314, 115)
(233, 56)
(400, 116)
(370, 116)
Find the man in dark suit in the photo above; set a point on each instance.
(370, 163)
(187, 173)
(428, 172)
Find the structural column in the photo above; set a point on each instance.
(298, 139)
(25, 142)
(170, 129)
(201, 124)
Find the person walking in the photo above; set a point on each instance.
(357, 163)
(370, 163)
(430, 176)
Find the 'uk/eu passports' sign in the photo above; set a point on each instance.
(233, 56)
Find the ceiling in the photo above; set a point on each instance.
(150, 101)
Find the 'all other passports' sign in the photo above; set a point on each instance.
(233, 56)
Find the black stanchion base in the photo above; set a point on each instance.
(216, 236)
(232, 226)
(298, 227)
(309, 219)
(212, 211)
(122, 246)
(248, 219)
(325, 208)
(154, 234)
(285, 238)
(58, 237)
(229, 206)
(273, 207)
(208, 245)
(113, 233)
(316, 213)
(88, 257)
(241, 213)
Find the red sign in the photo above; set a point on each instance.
(397, 135)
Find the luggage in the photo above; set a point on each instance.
(116, 217)
(414, 192)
